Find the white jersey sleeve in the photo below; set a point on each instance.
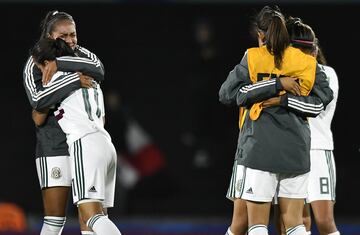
(321, 134)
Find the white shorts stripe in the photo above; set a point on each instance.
(53, 171)
(236, 186)
(263, 186)
(93, 166)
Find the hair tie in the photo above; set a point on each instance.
(55, 12)
(303, 42)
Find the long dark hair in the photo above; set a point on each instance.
(47, 25)
(301, 35)
(320, 57)
(49, 49)
(271, 22)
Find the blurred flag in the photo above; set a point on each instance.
(143, 158)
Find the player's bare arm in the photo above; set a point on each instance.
(291, 85)
(271, 102)
(86, 81)
(39, 116)
(49, 70)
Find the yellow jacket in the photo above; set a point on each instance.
(295, 63)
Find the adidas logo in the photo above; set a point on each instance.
(92, 189)
(249, 191)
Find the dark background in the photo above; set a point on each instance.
(153, 61)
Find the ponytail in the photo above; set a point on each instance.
(277, 38)
(271, 22)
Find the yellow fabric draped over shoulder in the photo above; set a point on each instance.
(295, 64)
(242, 114)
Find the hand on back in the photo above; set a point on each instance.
(291, 85)
(86, 81)
(48, 71)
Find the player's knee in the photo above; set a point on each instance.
(326, 223)
(89, 208)
(82, 222)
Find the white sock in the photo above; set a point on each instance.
(258, 229)
(228, 232)
(53, 225)
(308, 232)
(101, 225)
(296, 230)
(87, 233)
(335, 233)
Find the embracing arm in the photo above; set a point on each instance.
(83, 65)
(42, 96)
(39, 116)
(239, 89)
(83, 52)
(313, 104)
(86, 63)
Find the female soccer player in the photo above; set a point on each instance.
(274, 141)
(52, 157)
(322, 176)
(92, 154)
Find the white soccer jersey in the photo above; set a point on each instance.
(82, 113)
(321, 135)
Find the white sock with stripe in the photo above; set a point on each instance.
(228, 232)
(258, 229)
(297, 230)
(53, 225)
(102, 225)
(335, 233)
(87, 233)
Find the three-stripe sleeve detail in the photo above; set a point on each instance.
(305, 107)
(91, 55)
(78, 60)
(257, 85)
(54, 86)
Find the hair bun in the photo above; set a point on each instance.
(294, 20)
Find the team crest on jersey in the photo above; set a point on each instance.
(55, 172)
